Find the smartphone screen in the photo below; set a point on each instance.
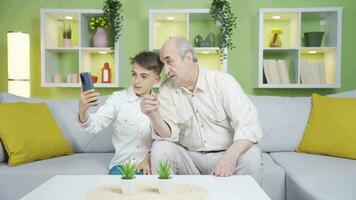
(87, 83)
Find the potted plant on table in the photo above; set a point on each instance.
(164, 178)
(66, 35)
(128, 183)
(99, 24)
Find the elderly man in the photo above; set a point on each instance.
(204, 123)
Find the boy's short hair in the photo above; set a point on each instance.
(148, 60)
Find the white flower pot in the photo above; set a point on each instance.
(164, 186)
(67, 43)
(128, 186)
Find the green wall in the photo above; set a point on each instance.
(24, 15)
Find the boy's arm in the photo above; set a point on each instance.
(102, 118)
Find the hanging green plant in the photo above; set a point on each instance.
(113, 12)
(223, 17)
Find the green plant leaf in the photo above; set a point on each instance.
(163, 169)
(128, 170)
(114, 13)
(220, 12)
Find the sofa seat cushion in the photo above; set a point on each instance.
(27, 177)
(79, 163)
(317, 177)
(273, 179)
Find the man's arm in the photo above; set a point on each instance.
(244, 120)
(162, 112)
(150, 107)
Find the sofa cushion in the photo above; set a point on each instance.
(311, 176)
(29, 176)
(65, 113)
(273, 179)
(29, 132)
(331, 127)
(283, 120)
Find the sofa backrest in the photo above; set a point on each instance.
(283, 119)
(65, 113)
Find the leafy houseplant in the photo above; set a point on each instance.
(96, 22)
(223, 17)
(99, 24)
(164, 177)
(66, 35)
(114, 13)
(128, 176)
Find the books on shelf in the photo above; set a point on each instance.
(312, 72)
(276, 71)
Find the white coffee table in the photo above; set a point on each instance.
(75, 187)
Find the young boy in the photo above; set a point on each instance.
(131, 128)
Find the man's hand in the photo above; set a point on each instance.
(226, 165)
(145, 165)
(149, 105)
(87, 99)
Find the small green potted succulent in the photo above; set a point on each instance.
(66, 35)
(164, 177)
(128, 177)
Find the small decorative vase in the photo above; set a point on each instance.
(313, 39)
(205, 43)
(211, 39)
(67, 43)
(275, 41)
(197, 41)
(100, 38)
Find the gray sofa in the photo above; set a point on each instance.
(287, 174)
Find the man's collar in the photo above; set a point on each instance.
(201, 82)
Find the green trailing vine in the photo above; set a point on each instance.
(113, 12)
(221, 13)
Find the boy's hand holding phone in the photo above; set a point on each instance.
(88, 96)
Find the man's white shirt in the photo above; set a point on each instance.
(212, 117)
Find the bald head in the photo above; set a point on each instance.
(181, 45)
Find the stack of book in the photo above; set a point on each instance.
(275, 71)
(312, 72)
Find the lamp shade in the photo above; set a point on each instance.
(18, 52)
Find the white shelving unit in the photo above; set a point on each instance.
(307, 67)
(81, 57)
(186, 23)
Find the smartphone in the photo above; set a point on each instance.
(87, 83)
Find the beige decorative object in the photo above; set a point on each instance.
(57, 78)
(67, 43)
(148, 191)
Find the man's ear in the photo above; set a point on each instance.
(158, 78)
(189, 57)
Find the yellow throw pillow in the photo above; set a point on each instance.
(29, 132)
(331, 128)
